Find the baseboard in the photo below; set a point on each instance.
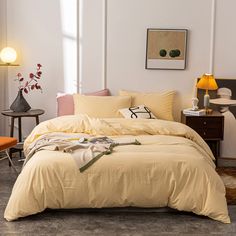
(224, 161)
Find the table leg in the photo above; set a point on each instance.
(37, 120)
(11, 135)
(12, 126)
(19, 133)
(217, 152)
(19, 129)
(218, 148)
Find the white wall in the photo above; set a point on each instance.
(225, 39)
(43, 32)
(91, 44)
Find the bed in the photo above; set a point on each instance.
(173, 167)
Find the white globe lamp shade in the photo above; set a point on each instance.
(8, 55)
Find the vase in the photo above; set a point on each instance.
(20, 104)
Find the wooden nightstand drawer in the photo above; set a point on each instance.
(209, 133)
(204, 122)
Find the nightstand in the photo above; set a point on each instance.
(210, 127)
(35, 113)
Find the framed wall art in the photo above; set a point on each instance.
(166, 49)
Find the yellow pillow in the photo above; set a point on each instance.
(100, 106)
(159, 103)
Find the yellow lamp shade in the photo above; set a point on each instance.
(8, 55)
(207, 82)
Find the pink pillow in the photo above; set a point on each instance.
(65, 102)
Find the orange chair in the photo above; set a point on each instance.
(5, 144)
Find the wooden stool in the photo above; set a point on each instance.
(5, 144)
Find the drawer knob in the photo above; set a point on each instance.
(204, 122)
(204, 133)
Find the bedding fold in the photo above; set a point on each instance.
(85, 151)
(115, 127)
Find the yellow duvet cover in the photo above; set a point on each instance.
(172, 167)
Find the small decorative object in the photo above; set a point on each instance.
(195, 104)
(163, 52)
(20, 104)
(174, 53)
(207, 82)
(166, 49)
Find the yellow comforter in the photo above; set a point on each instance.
(173, 167)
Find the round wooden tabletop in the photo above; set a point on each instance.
(30, 113)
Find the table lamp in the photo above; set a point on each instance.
(8, 56)
(207, 82)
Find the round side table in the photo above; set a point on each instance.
(18, 115)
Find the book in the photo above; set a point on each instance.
(199, 112)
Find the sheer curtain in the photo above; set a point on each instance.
(3, 70)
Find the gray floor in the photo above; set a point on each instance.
(107, 222)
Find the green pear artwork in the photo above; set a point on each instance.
(166, 49)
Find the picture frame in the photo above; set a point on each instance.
(166, 49)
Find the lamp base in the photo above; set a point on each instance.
(207, 103)
(9, 64)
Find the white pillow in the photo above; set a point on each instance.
(140, 111)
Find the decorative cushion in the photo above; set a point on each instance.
(65, 101)
(65, 104)
(137, 112)
(100, 107)
(159, 103)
